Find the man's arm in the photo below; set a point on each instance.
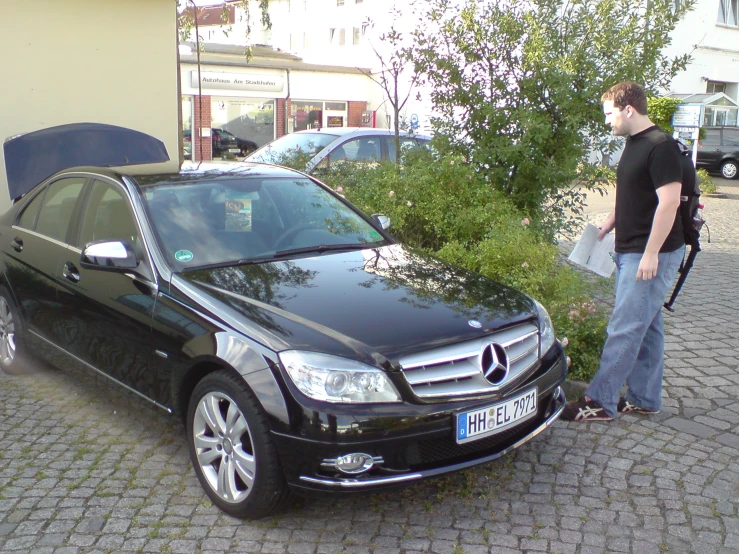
(607, 226)
(664, 218)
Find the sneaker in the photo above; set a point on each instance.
(584, 409)
(626, 407)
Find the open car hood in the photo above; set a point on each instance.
(36, 156)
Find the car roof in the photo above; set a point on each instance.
(358, 131)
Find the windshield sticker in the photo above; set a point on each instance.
(238, 213)
(183, 256)
(375, 235)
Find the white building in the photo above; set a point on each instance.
(333, 33)
(347, 33)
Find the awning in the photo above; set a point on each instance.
(34, 157)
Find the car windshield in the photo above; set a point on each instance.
(293, 144)
(228, 220)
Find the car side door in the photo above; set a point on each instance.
(110, 311)
(34, 251)
(709, 150)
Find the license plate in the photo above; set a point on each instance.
(234, 150)
(483, 422)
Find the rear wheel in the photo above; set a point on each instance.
(729, 169)
(231, 450)
(12, 347)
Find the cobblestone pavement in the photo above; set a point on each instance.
(85, 470)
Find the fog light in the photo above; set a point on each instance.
(352, 464)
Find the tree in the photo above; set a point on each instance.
(517, 85)
(392, 69)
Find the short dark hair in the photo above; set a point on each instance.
(627, 94)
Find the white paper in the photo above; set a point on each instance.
(594, 254)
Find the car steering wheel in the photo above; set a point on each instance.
(290, 234)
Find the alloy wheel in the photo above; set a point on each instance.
(728, 170)
(224, 447)
(7, 334)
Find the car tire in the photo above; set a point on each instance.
(729, 169)
(12, 344)
(231, 449)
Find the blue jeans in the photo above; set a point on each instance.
(635, 346)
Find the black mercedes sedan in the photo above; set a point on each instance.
(303, 348)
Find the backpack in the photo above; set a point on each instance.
(690, 206)
(691, 217)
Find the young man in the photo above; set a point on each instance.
(649, 248)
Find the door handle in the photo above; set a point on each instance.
(71, 273)
(17, 244)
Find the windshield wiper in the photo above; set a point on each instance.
(231, 263)
(324, 248)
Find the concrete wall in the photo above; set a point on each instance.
(103, 61)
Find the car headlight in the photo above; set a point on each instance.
(334, 379)
(546, 330)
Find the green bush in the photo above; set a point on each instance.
(443, 206)
(705, 182)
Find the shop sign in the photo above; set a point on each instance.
(335, 121)
(687, 115)
(238, 81)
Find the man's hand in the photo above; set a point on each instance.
(607, 226)
(647, 267)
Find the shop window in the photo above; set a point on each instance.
(336, 106)
(306, 115)
(248, 123)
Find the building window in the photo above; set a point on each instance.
(728, 12)
(339, 2)
(357, 1)
(331, 35)
(342, 37)
(355, 36)
(713, 87)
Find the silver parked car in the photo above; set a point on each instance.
(326, 146)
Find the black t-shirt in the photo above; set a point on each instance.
(651, 159)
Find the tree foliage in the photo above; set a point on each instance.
(517, 85)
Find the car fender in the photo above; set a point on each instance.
(231, 351)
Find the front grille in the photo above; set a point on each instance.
(455, 371)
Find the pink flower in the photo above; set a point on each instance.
(565, 342)
(340, 189)
(525, 265)
(391, 193)
(525, 221)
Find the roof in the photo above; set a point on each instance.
(263, 57)
(705, 98)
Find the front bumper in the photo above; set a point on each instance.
(408, 442)
(557, 404)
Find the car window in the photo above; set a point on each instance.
(406, 144)
(713, 138)
(290, 145)
(27, 219)
(58, 205)
(363, 149)
(107, 216)
(731, 137)
(232, 220)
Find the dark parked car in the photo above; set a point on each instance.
(224, 144)
(337, 144)
(303, 348)
(719, 151)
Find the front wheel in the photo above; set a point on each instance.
(12, 346)
(231, 450)
(729, 169)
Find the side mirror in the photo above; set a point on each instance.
(382, 220)
(109, 255)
